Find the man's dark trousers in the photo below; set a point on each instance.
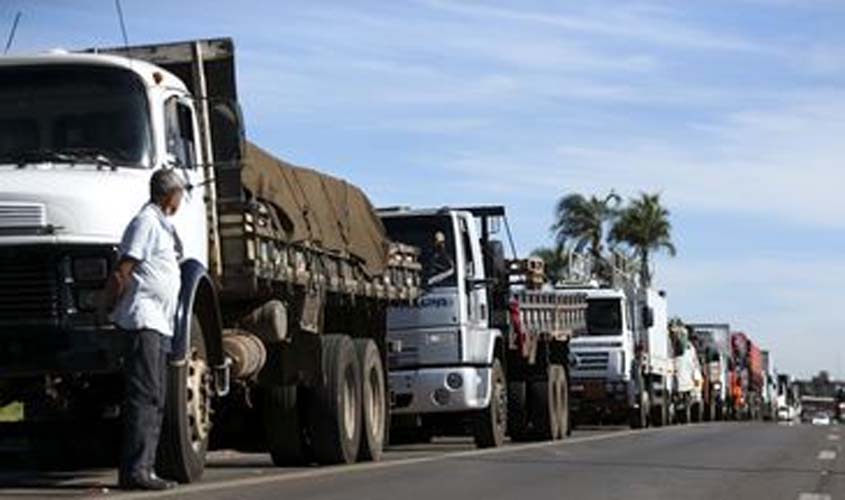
(146, 386)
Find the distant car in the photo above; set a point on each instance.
(821, 419)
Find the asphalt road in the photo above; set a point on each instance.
(707, 461)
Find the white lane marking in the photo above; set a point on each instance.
(827, 455)
(832, 437)
(813, 496)
(345, 469)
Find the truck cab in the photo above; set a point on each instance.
(80, 136)
(622, 359)
(442, 346)
(603, 354)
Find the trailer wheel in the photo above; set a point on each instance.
(282, 427)
(337, 403)
(491, 423)
(518, 417)
(544, 421)
(187, 413)
(373, 401)
(561, 389)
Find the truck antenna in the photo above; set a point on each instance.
(122, 25)
(12, 33)
(510, 236)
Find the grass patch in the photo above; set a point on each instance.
(11, 413)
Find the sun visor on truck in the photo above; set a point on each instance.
(318, 207)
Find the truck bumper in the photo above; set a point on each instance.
(428, 390)
(591, 400)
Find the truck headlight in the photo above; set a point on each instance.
(440, 338)
(90, 269)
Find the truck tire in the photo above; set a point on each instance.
(658, 415)
(518, 416)
(187, 413)
(560, 387)
(491, 423)
(282, 426)
(639, 417)
(336, 410)
(374, 409)
(544, 421)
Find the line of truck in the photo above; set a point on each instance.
(310, 324)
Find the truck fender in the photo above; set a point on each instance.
(197, 293)
(497, 347)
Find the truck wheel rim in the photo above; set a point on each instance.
(502, 403)
(375, 397)
(198, 392)
(349, 410)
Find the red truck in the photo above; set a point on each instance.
(745, 401)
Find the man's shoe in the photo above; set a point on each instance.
(149, 482)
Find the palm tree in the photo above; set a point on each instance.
(644, 226)
(582, 221)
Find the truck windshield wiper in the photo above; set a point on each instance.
(98, 155)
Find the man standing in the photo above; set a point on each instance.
(142, 295)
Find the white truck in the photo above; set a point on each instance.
(623, 364)
(286, 281)
(788, 400)
(484, 350)
(687, 379)
(713, 340)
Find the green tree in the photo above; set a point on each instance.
(644, 226)
(582, 222)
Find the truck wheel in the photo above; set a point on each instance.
(517, 411)
(336, 412)
(282, 427)
(187, 413)
(491, 423)
(544, 422)
(658, 415)
(639, 418)
(560, 387)
(373, 401)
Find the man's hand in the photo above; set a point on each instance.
(115, 287)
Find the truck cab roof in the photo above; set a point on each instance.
(150, 74)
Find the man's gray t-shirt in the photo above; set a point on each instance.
(150, 298)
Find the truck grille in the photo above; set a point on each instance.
(16, 215)
(592, 360)
(28, 287)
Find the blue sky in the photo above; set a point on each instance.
(733, 110)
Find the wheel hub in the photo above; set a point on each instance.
(198, 399)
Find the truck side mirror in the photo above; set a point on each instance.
(648, 316)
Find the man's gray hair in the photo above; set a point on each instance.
(163, 182)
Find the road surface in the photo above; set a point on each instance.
(706, 461)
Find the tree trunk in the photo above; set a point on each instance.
(645, 273)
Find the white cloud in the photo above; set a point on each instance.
(787, 305)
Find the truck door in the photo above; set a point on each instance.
(479, 338)
(182, 150)
(475, 291)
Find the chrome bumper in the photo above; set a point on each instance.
(426, 390)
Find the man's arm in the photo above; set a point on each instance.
(116, 285)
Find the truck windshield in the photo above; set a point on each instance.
(62, 113)
(434, 236)
(604, 317)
